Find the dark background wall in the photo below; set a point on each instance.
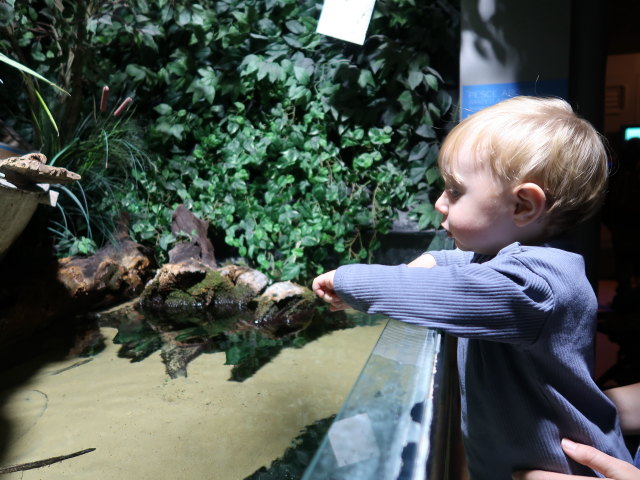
(623, 25)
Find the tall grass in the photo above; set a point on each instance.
(107, 151)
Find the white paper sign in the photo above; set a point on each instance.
(346, 19)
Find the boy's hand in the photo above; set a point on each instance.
(323, 287)
(612, 468)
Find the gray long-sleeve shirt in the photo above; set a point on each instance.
(526, 319)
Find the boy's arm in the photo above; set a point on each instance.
(323, 284)
(473, 300)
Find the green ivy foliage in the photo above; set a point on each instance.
(297, 148)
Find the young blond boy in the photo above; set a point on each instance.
(517, 176)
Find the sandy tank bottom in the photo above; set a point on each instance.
(144, 425)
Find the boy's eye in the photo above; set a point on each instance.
(453, 193)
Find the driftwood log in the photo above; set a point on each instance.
(190, 281)
(38, 290)
(198, 248)
(117, 272)
(43, 463)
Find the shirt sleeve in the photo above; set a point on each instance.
(502, 301)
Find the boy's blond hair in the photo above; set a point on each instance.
(539, 140)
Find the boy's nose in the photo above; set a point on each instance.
(441, 205)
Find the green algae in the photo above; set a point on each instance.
(197, 290)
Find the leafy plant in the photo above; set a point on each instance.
(26, 71)
(308, 205)
(297, 148)
(303, 145)
(103, 145)
(50, 37)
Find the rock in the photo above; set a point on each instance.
(189, 286)
(284, 308)
(180, 286)
(253, 279)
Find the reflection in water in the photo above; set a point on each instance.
(182, 336)
(146, 425)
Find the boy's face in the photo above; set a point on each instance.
(477, 208)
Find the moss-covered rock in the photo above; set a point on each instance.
(174, 286)
(284, 308)
(189, 286)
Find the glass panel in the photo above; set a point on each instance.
(383, 428)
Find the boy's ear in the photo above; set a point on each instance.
(531, 202)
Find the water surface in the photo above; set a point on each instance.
(144, 424)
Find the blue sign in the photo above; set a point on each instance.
(477, 97)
